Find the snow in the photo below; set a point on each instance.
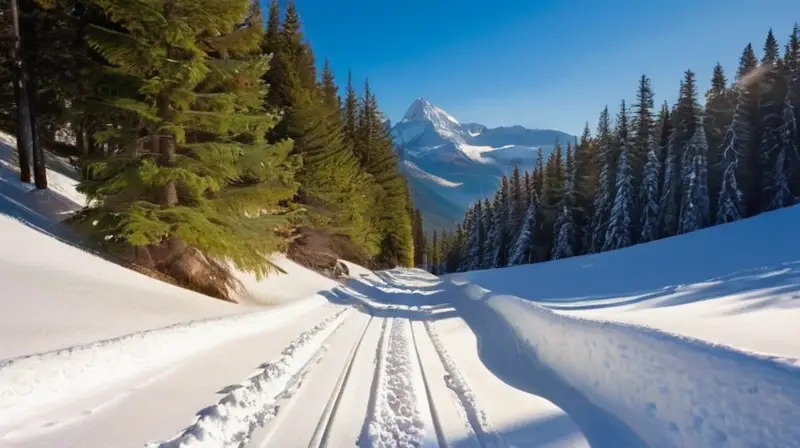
(416, 171)
(654, 333)
(230, 422)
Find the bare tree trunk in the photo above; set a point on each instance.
(39, 167)
(24, 131)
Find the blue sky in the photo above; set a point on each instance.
(538, 63)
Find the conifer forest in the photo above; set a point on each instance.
(714, 156)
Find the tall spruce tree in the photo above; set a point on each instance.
(649, 195)
(606, 187)
(200, 183)
(737, 138)
(718, 115)
(523, 249)
(771, 90)
(620, 224)
(695, 203)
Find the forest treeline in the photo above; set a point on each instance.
(645, 175)
(205, 137)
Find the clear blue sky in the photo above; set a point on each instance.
(538, 63)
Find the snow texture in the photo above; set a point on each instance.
(396, 420)
(478, 420)
(34, 383)
(670, 391)
(230, 422)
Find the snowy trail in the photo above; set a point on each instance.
(388, 380)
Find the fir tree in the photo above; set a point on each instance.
(643, 127)
(718, 115)
(523, 250)
(737, 136)
(695, 204)
(771, 93)
(497, 241)
(619, 230)
(473, 258)
(565, 232)
(200, 181)
(649, 195)
(586, 178)
(606, 189)
(517, 202)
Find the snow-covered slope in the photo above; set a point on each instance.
(709, 284)
(687, 341)
(56, 295)
(449, 165)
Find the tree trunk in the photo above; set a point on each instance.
(24, 131)
(39, 167)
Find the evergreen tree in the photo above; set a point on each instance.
(644, 127)
(475, 238)
(537, 178)
(523, 251)
(377, 157)
(695, 202)
(586, 178)
(606, 187)
(200, 184)
(649, 195)
(750, 161)
(619, 230)
(517, 202)
(718, 115)
(565, 232)
(490, 236)
(771, 94)
(737, 136)
(497, 240)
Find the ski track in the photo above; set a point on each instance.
(477, 419)
(395, 420)
(323, 430)
(37, 382)
(230, 422)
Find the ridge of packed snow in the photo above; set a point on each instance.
(396, 419)
(36, 382)
(230, 422)
(670, 390)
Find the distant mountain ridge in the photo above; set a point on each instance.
(449, 165)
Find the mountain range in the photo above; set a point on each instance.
(449, 165)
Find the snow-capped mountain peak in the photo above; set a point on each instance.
(422, 110)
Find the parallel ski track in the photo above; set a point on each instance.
(437, 425)
(323, 429)
(481, 428)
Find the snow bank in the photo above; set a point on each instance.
(295, 283)
(230, 422)
(709, 284)
(671, 391)
(37, 382)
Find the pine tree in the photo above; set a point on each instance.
(586, 178)
(620, 225)
(376, 154)
(772, 89)
(649, 195)
(644, 127)
(523, 251)
(473, 258)
(200, 183)
(565, 232)
(497, 240)
(695, 203)
(718, 115)
(606, 189)
(517, 202)
(749, 166)
(488, 249)
(737, 137)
